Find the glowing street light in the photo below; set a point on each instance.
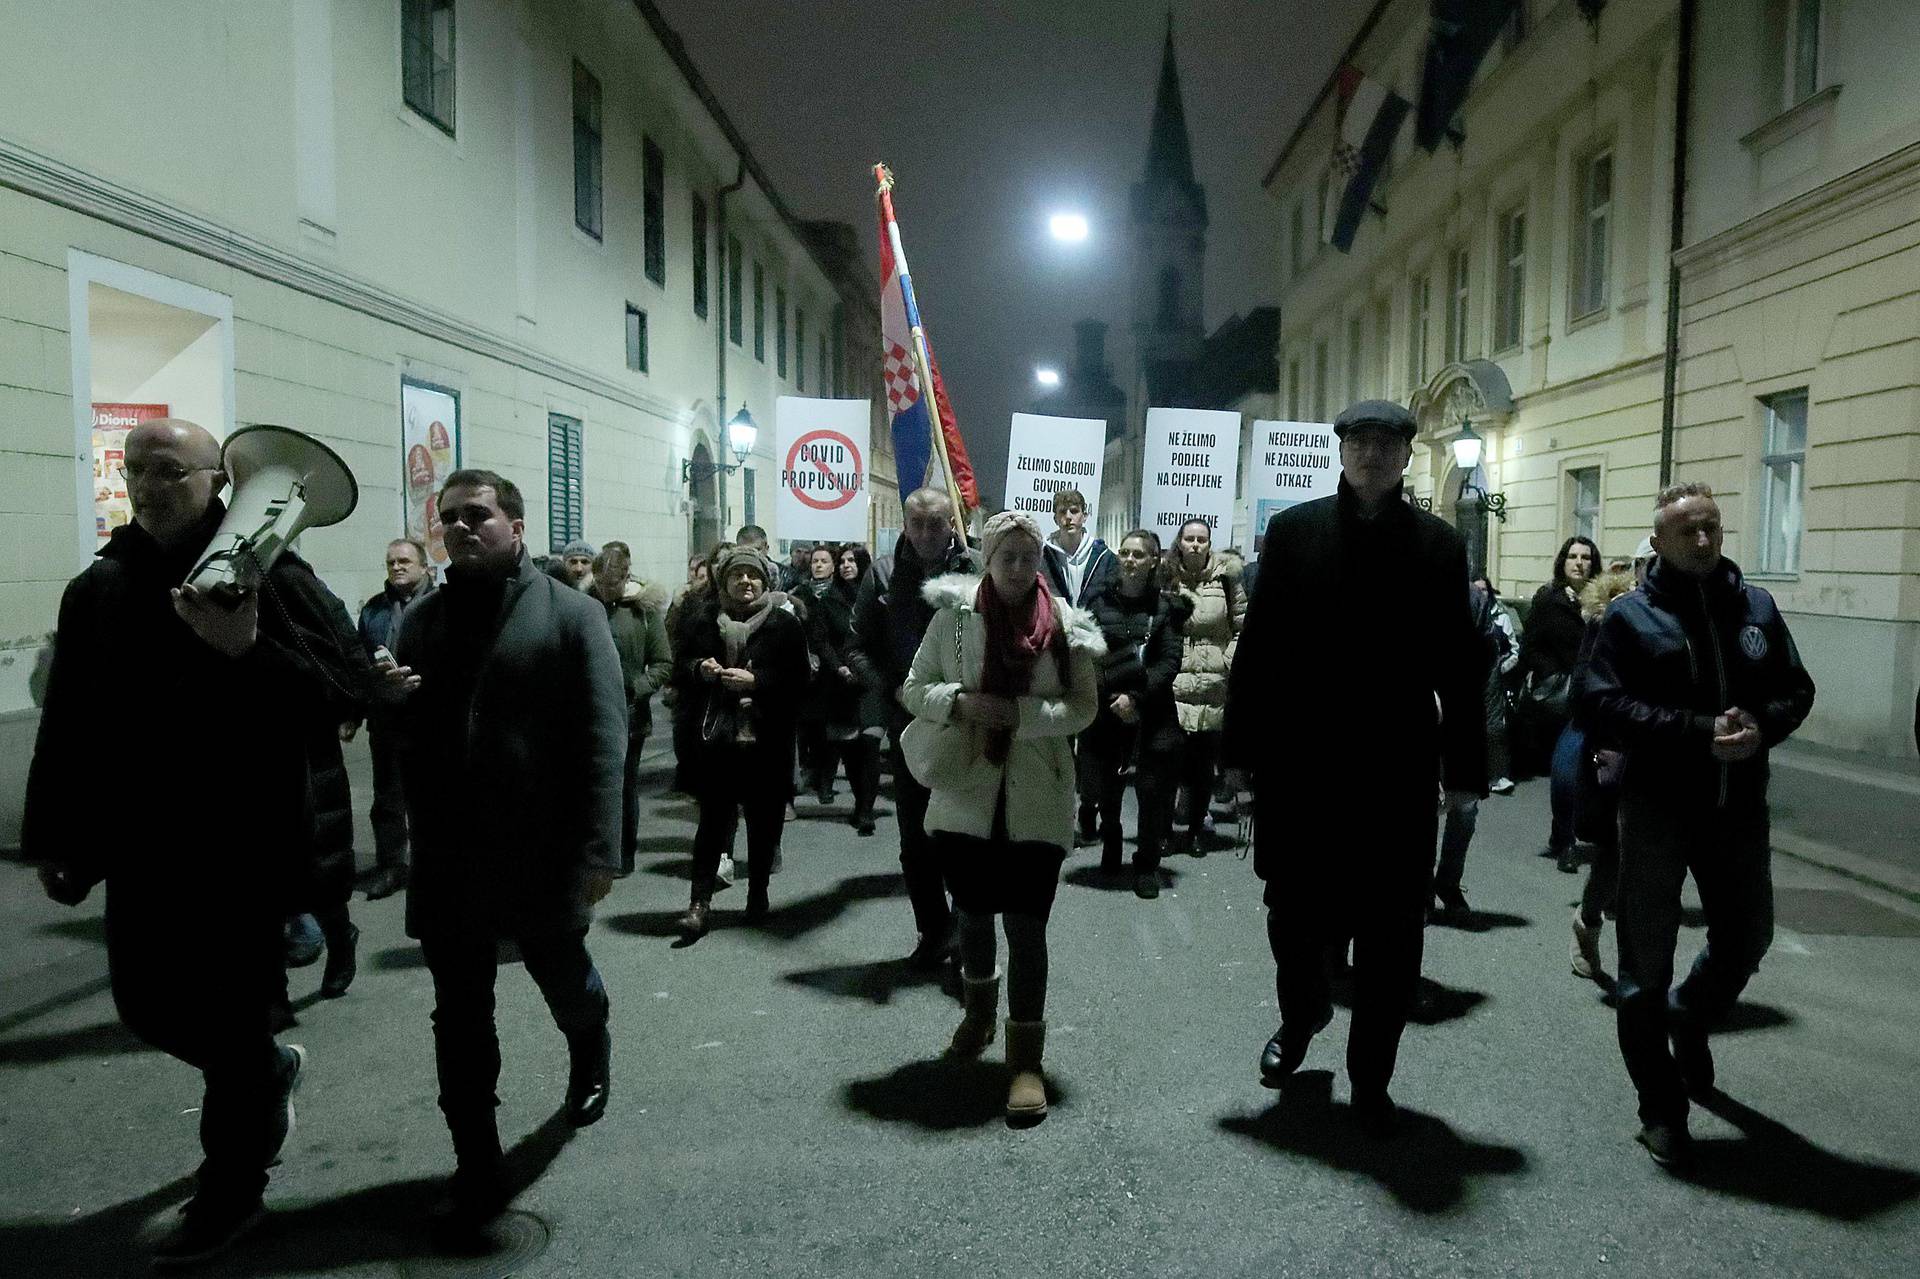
(1068, 228)
(1047, 376)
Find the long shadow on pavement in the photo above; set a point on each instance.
(84, 1041)
(1092, 877)
(941, 1095)
(382, 1223)
(876, 981)
(1433, 1002)
(1426, 1166)
(1482, 921)
(1772, 1164)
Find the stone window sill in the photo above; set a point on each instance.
(1808, 113)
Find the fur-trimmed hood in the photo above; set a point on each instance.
(957, 591)
(1602, 591)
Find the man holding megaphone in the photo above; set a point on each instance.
(173, 763)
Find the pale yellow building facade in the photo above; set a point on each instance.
(538, 216)
(1518, 282)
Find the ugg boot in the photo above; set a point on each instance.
(1027, 1090)
(1584, 951)
(981, 1001)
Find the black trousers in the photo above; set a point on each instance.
(630, 798)
(1153, 781)
(1376, 894)
(860, 756)
(198, 989)
(466, 1045)
(1198, 765)
(727, 794)
(389, 812)
(926, 885)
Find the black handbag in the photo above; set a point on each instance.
(728, 721)
(1549, 699)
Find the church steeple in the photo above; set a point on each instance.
(1169, 149)
(1169, 236)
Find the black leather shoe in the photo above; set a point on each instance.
(757, 904)
(862, 823)
(931, 951)
(589, 1077)
(476, 1196)
(1286, 1050)
(1146, 884)
(206, 1228)
(1669, 1144)
(692, 926)
(384, 882)
(342, 964)
(1376, 1114)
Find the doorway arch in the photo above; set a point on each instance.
(703, 528)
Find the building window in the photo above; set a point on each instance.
(1803, 51)
(1592, 233)
(825, 382)
(1419, 329)
(566, 518)
(1297, 241)
(799, 349)
(734, 263)
(1510, 298)
(699, 256)
(1783, 481)
(1356, 352)
(1583, 499)
(426, 59)
(1383, 342)
(1294, 399)
(1459, 313)
(759, 313)
(780, 332)
(747, 490)
(636, 339)
(1320, 387)
(653, 204)
(586, 151)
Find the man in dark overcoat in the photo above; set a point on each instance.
(1354, 697)
(172, 763)
(514, 723)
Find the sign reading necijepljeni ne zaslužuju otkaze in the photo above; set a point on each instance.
(1192, 458)
(1289, 463)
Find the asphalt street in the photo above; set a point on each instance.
(780, 1106)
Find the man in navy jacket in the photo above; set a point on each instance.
(1696, 677)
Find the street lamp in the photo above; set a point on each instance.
(1048, 377)
(742, 433)
(1068, 228)
(1466, 455)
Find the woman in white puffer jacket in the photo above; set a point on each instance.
(1210, 580)
(1003, 680)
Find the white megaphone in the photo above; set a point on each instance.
(283, 483)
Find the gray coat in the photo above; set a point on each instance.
(514, 791)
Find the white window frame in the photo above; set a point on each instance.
(1419, 329)
(1510, 294)
(1792, 93)
(1788, 465)
(1574, 508)
(84, 269)
(1590, 292)
(1459, 303)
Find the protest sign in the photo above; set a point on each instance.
(1289, 463)
(1046, 454)
(1192, 457)
(821, 446)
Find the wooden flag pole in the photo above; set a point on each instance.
(923, 366)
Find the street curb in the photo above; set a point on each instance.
(1865, 870)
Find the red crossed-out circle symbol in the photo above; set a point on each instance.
(840, 497)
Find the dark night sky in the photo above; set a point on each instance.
(994, 116)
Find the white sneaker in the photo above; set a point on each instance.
(1502, 786)
(723, 877)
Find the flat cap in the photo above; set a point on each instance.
(1376, 413)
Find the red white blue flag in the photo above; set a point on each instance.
(908, 405)
(1370, 117)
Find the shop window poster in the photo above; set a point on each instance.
(111, 423)
(430, 449)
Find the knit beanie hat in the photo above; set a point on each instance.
(577, 547)
(751, 555)
(1004, 524)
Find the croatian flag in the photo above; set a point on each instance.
(915, 458)
(1370, 118)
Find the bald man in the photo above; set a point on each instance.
(165, 767)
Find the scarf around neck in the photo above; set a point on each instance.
(1014, 646)
(735, 632)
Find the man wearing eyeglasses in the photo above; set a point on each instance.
(165, 767)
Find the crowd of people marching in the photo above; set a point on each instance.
(1351, 699)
